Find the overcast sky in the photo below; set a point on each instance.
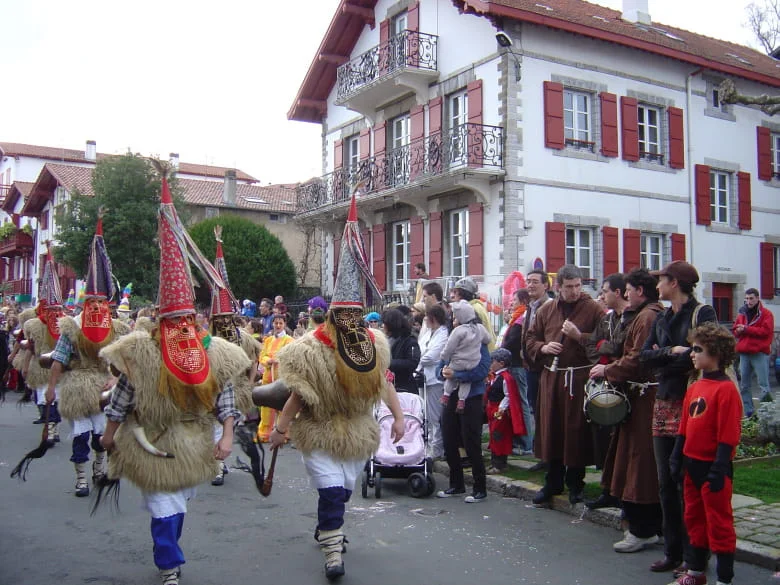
(212, 81)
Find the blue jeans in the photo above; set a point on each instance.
(526, 441)
(748, 363)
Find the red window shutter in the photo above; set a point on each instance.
(553, 116)
(764, 139)
(767, 251)
(416, 241)
(476, 240)
(338, 154)
(611, 251)
(384, 31)
(631, 250)
(744, 207)
(384, 54)
(380, 144)
(366, 235)
(365, 143)
(413, 17)
(336, 253)
(434, 131)
(703, 195)
(380, 262)
(678, 247)
(435, 253)
(676, 139)
(555, 244)
(474, 90)
(628, 118)
(417, 144)
(609, 126)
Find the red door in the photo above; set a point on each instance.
(723, 301)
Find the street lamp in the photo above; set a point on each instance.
(505, 41)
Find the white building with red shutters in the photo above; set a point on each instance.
(494, 135)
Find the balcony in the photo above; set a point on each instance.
(16, 244)
(405, 63)
(468, 156)
(22, 286)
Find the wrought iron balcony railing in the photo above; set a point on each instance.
(467, 146)
(407, 49)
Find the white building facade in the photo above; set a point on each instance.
(588, 137)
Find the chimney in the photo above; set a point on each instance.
(90, 153)
(229, 190)
(173, 158)
(636, 11)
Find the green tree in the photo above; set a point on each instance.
(128, 189)
(257, 264)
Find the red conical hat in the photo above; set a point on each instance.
(222, 300)
(175, 295)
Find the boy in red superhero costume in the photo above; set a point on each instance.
(709, 432)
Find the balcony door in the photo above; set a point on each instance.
(457, 108)
(398, 162)
(401, 255)
(398, 41)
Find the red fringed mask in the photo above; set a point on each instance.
(182, 349)
(96, 320)
(49, 316)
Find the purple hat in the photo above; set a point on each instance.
(318, 303)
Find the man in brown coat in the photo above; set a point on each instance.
(630, 454)
(557, 338)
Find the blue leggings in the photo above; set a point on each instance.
(166, 533)
(81, 445)
(331, 506)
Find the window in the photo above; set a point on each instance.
(579, 250)
(648, 119)
(457, 119)
(400, 22)
(458, 242)
(212, 212)
(775, 141)
(719, 197)
(45, 220)
(277, 217)
(398, 41)
(352, 151)
(401, 249)
(398, 157)
(576, 119)
(651, 251)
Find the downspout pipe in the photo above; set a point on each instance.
(691, 166)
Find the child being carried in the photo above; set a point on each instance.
(463, 350)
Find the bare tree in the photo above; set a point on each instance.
(764, 23)
(728, 94)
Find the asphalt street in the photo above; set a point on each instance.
(234, 535)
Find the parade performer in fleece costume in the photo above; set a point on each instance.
(336, 374)
(171, 383)
(42, 335)
(222, 323)
(77, 370)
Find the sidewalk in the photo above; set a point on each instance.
(757, 524)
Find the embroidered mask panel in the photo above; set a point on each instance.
(182, 349)
(96, 320)
(354, 344)
(224, 326)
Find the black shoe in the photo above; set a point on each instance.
(541, 466)
(475, 497)
(334, 571)
(544, 495)
(603, 501)
(40, 421)
(218, 480)
(575, 495)
(450, 492)
(82, 492)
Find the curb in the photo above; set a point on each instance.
(747, 551)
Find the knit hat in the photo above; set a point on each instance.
(373, 317)
(463, 311)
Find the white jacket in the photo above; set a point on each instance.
(431, 345)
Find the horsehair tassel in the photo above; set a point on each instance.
(140, 435)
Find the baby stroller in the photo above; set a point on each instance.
(405, 459)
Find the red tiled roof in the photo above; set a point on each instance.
(576, 16)
(13, 192)
(69, 176)
(596, 21)
(276, 198)
(71, 155)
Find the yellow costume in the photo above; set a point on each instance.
(271, 345)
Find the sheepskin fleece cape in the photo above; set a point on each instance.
(24, 316)
(34, 330)
(144, 324)
(80, 386)
(189, 436)
(252, 349)
(340, 424)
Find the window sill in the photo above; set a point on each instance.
(571, 152)
(773, 182)
(720, 228)
(646, 165)
(719, 114)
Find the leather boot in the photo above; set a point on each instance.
(99, 467)
(82, 489)
(332, 544)
(51, 433)
(219, 479)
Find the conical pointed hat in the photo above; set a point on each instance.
(355, 286)
(99, 281)
(222, 300)
(49, 292)
(175, 295)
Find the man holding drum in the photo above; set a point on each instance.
(630, 456)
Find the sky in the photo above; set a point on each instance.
(211, 81)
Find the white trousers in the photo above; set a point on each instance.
(325, 471)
